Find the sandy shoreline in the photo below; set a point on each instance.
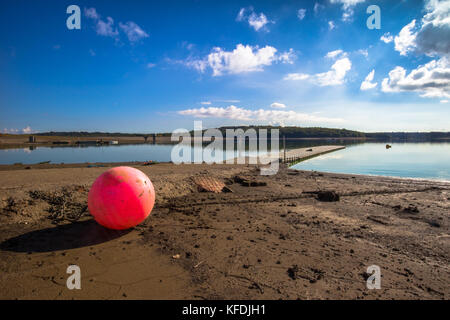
(271, 240)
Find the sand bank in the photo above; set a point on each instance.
(269, 239)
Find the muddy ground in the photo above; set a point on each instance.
(263, 237)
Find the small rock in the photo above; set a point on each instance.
(411, 209)
(292, 272)
(365, 275)
(327, 196)
(434, 224)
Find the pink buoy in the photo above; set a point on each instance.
(121, 198)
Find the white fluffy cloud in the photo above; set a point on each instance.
(387, 38)
(91, 13)
(257, 21)
(108, 29)
(25, 130)
(301, 14)
(236, 113)
(405, 40)
(103, 28)
(431, 80)
(296, 76)
(278, 105)
(335, 76)
(11, 131)
(199, 65)
(287, 56)
(243, 59)
(318, 7)
(347, 7)
(363, 52)
(133, 31)
(335, 53)
(434, 36)
(367, 84)
(331, 25)
(431, 36)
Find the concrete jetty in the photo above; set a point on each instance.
(289, 157)
(300, 154)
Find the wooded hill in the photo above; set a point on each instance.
(289, 132)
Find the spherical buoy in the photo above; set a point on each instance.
(121, 198)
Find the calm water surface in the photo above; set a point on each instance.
(120, 153)
(407, 160)
(412, 160)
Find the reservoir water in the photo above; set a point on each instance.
(406, 160)
(409, 160)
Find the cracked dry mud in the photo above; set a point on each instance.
(269, 238)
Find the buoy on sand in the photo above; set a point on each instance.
(121, 198)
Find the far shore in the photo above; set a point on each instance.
(23, 140)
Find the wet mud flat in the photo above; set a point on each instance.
(226, 232)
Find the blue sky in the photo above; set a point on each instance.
(152, 66)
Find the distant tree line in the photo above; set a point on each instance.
(97, 134)
(308, 132)
(288, 132)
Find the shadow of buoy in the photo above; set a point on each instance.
(64, 237)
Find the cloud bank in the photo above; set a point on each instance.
(272, 116)
(430, 37)
(431, 80)
(25, 130)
